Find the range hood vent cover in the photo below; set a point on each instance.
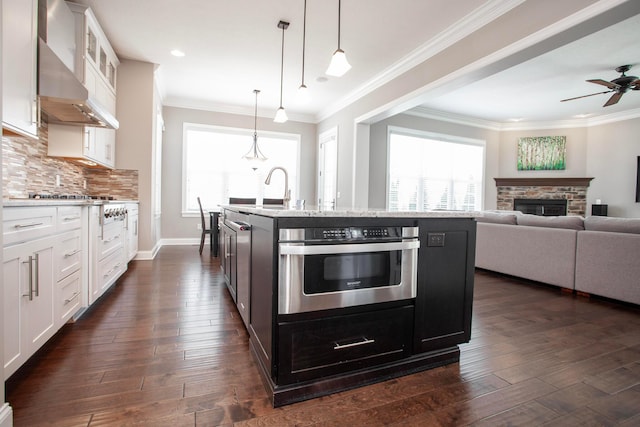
(63, 98)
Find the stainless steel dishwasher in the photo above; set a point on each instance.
(237, 261)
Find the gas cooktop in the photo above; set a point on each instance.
(68, 196)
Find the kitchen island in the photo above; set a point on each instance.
(334, 300)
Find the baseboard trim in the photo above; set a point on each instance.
(6, 416)
(182, 241)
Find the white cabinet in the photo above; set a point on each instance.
(131, 226)
(107, 256)
(97, 63)
(43, 260)
(91, 145)
(19, 66)
(28, 300)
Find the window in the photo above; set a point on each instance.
(213, 167)
(432, 171)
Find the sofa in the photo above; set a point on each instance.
(593, 255)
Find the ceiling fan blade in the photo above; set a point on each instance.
(604, 83)
(614, 99)
(635, 85)
(584, 96)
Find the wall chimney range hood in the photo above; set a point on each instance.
(63, 98)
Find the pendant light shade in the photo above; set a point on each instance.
(303, 91)
(281, 115)
(339, 64)
(254, 155)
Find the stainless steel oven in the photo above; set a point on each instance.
(326, 268)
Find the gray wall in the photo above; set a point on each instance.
(608, 153)
(612, 152)
(136, 110)
(174, 226)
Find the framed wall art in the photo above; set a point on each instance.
(542, 153)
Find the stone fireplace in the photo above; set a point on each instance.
(573, 190)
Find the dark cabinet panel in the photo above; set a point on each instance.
(445, 283)
(263, 284)
(318, 348)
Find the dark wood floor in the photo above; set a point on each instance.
(166, 347)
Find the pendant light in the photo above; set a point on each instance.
(339, 64)
(303, 91)
(281, 115)
(254, 155)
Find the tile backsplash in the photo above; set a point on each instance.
(26, 168)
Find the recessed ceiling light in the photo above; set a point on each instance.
(321, 79)
(178, 53)
(516, 119)
(582, 116)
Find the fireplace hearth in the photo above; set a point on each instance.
(542, 207)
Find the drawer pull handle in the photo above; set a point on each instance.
(67, 255)
(362, 341)
(33, 224)
(70, 218)
(112, 239)
(74, 296)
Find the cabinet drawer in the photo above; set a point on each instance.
(318, 348)
(68, 297)
(69, 253)
(110, 269)
(25, 223)
(112, 238)
(69, 218)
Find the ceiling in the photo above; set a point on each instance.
(233, 47)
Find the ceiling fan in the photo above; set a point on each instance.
(620, 86)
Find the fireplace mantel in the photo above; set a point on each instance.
(542, 182)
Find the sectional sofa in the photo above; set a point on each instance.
(594, 255)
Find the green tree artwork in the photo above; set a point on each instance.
(542, 153)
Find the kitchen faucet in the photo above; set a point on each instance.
(287, 192)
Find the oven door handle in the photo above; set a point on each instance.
(297, 249)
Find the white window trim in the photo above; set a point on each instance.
(186, 126)
(438, 137)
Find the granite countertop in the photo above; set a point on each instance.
(60, 202)
(312, 211)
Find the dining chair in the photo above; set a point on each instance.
(242, 201)
(205, 230)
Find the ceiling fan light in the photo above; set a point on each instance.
(281, 116)
(339, 64)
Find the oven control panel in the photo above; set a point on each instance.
(353, 233)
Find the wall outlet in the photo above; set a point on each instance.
(199, 226)
(435, 239)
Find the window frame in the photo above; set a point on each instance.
(435, 136)
(189, 126)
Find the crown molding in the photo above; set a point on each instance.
(460, 30)
(232, 109)
(513, 126)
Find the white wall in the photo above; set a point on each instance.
(490, 49)
(174, 226)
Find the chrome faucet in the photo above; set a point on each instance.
(287, 191)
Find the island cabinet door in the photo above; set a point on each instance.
(321, 347)
(445, 283)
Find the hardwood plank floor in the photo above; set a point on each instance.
(166, 347)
